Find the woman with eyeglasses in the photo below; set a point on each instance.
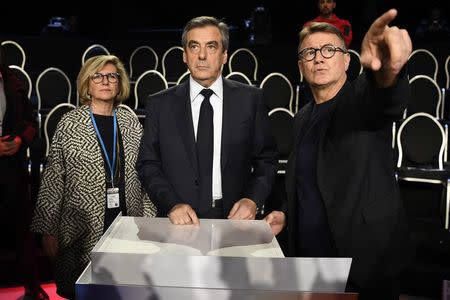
(342, 195)
(90, 174)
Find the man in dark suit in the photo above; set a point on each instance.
(342, 196)
(190, 173)
(18, 129)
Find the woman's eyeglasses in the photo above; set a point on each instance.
(111, 77)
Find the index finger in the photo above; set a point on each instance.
(380, 23)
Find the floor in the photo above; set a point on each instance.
(427, 285)
(422, 281)
(16, 292)
(406, 297)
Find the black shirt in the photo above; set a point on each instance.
(315, 238)
(105, 127)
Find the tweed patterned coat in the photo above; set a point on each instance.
(71, 201)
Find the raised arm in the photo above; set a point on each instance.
(385, 49)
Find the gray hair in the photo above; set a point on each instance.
(204, 21)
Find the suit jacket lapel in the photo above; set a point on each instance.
(227, 119)
(302, 120)
(185, 126)
(300, 127)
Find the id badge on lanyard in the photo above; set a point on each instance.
(112, 194)
(112, 197)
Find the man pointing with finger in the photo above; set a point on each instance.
(342, 196)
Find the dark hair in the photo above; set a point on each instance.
(320, 27)
(204, 21)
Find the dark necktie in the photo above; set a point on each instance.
(205, 140)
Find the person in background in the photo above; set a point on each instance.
(213, 158)
(18, 129)
(434, 28)
(90, 175)
(342, 195)
(326, 8)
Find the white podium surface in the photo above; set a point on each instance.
(150, 258)
(213, 237)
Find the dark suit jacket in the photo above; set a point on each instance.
(355, 174)
(19, 119)
(167, 162)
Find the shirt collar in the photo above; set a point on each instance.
(196, 88)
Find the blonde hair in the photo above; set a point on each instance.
(95, 64)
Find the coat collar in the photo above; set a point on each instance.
(230, 106)
(184, 121)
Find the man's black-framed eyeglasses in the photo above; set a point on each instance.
(111, 77)
(327, 51)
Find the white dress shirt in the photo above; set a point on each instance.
(216, 101)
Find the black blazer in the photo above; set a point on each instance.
(167, 162)
(355, 174)
(19, 119)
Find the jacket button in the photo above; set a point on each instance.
(196, 182)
